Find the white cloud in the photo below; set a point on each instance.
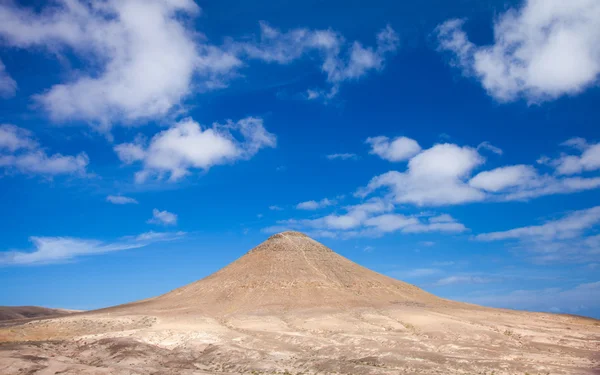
(440, 176)
(541, 51)
(186, 145)
(373, 218)
(434, 177)
(19, 152)
(442, 223)
(345, 156)
(490, 147)
(505, 177)
(13, 138)
(143, 58)
(399, 149)
(570, 226)
(415, 273)
(163, 218)
(523, 182)
(314, 205)
(275, 46)
(143, 54)
(120, 199)
(570, 238)
(8, 86)
(390, 222)
(275, 208)
(462, 279)
(589, 160)
(62, 249)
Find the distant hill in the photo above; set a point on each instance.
(29, 312)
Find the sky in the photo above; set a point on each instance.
(450, 144)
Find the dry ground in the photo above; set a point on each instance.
(293, 306)
(398, 340)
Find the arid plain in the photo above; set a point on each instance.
(293, 306)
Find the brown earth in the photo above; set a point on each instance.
(291, 305)
(11, 313)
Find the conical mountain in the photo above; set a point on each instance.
(288, 271)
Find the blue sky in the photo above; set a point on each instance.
(453, 145)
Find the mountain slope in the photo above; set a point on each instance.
(289, 271)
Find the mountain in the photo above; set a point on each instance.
(288, 271)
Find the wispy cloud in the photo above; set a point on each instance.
(462, 279)
(20, 152)
(62, 249)
(373, 218)
(569, 238)
(8, 86)
(120, 199)
(283, 47)
(345, 156)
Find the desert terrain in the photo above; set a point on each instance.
(293, 306)
(12, 313)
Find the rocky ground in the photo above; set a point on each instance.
(401, 340)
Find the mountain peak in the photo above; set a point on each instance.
(289, 270)
(288, 233)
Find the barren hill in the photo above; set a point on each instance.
(286, 272)
(291, 305)
(29, 312)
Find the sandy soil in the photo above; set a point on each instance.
(292, 306)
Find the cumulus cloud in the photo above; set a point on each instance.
(163, 217)
(441, 175)
(339, 62)
(505, 177)
(61, 249)
(142, 54)
(120, 199)
(588, 160)
(19, 152)
(344, 156)
(570, 237)
(187, 145)
(541, 51)
(275, 208)
(398, 149)
(142, 59)
(8, 86)
(435, 176)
